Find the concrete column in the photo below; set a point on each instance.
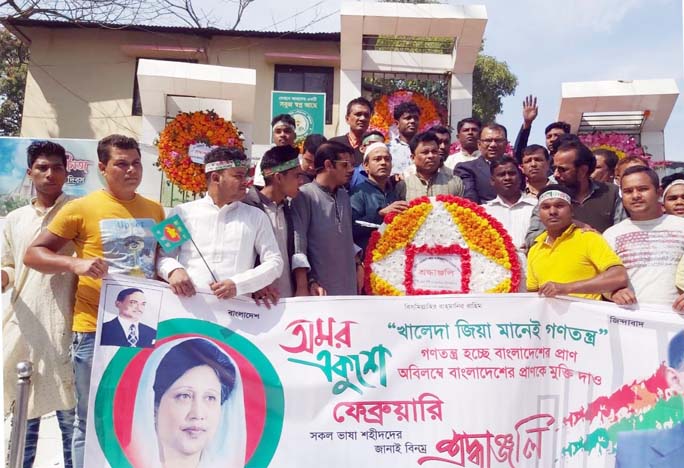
(461, 105)
(654, 142)
(350, 88)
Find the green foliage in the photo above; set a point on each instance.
(10, 203)
(492, 80)
(13, 68)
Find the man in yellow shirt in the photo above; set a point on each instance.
(111, 232)
(564, 259)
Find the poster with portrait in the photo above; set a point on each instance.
(447, 380)
(16, 189)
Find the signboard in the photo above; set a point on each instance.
(16, 189)
(451, 380)
(307, 109)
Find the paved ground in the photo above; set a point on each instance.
(49, 444)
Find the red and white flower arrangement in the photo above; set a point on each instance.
(478, 248)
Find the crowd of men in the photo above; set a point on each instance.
(584, 224)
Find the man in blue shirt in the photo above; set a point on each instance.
(373, 198)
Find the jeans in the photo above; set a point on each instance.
(82, 349)
(65, 419)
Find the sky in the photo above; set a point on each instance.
(544, 42)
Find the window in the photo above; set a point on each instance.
(137, 105)
(309, 80)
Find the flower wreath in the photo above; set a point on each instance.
(475, 248)
(383, 110)
(621, 144)
(205, 128)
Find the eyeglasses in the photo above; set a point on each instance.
(489, 141)
(344, 164)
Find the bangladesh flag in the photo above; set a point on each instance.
(171, 233)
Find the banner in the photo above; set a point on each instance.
(16, 189)
(307, 109)
(453, 380)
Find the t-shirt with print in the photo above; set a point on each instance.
(118, 231)
(651, 251)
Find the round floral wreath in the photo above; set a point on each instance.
(621, 144)
(442, 226)
(383, 109)
(191, 128)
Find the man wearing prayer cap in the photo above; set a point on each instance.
(374, 198)
(566, 260)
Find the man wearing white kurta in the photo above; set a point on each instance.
(229, 234)
(37, 323)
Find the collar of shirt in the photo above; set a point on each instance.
(544, 236)
(399, 141)
(475, 154)
(592, 188)
(353, 141)
(267, 201)
(523, 200)
(427, 182)
(327, 190)
(377, 187)
(126, 325)
(225, 208)
(43, 211)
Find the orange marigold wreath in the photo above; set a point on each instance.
(191, 128)
(383, 119)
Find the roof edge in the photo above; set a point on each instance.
(13, 23)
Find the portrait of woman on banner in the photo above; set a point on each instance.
(189, 409)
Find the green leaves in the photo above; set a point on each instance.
(13, 69)
(492, 80)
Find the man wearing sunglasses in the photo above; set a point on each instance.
(326, 261)
(476, 174)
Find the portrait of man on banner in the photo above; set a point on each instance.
(189, 408)
(127, 328)
(663, 448)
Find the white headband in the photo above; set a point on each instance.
(282, 122)
(674, 182)
(555, 194)
(373, 146)
(221, 165)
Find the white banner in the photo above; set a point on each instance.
(458, 380)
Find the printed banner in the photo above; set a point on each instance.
(308, 110)
(16, 189)
(455, 380)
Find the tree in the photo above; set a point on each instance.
(13, 66)
(492, 80)
(124, 11)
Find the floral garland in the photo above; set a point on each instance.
(187, 129)
(445, 227)
(383, 111)
(621, 144)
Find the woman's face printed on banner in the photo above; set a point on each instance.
(188, 413)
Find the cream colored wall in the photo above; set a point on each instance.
(80, 81)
